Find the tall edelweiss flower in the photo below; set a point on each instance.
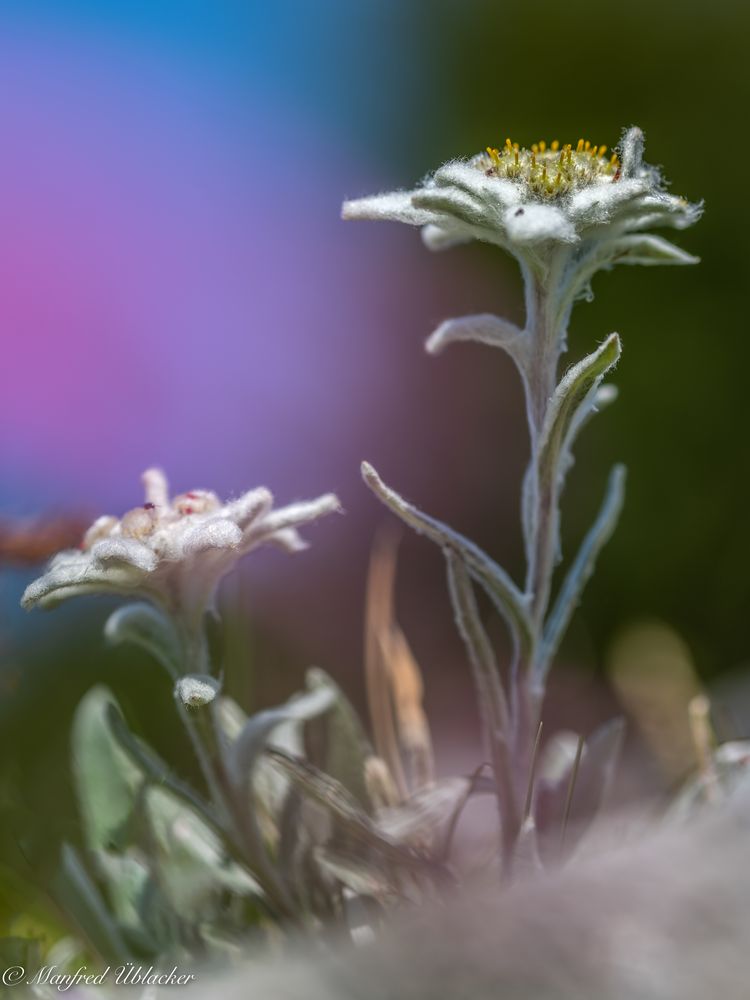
(173, 552)
(571, 210)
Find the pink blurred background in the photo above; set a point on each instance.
(176, 288)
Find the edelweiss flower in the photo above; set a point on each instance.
(173, 552)
(532, 202)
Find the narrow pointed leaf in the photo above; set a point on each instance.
(485, 329)
(490, 696)
(251, 742)
(643, 248)
(571, 399)
(505, 595)
(582, 568)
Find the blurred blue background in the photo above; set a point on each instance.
(177, 289)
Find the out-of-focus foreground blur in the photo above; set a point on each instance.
(178, 289)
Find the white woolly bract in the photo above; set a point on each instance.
(462, 201)
(173, 551)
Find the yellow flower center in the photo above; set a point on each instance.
(550, 171)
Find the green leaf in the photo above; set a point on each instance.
(148, 627)
(106, 779)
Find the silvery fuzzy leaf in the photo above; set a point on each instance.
(74, 574)
(106, 779)
(649, 250)
(148, 627)
(244, 754)
(192, 862)
(127, 878)
(572, 400)
(506, 596)
(151, 765)
(347, 747)
(582, 568)
(483, 328)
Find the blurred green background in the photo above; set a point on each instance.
(399, 87)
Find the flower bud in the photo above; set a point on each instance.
(196, 690)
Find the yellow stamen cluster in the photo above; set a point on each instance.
(550, 170)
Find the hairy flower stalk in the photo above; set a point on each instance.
(564, 212)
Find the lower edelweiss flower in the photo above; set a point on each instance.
(173, 552)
